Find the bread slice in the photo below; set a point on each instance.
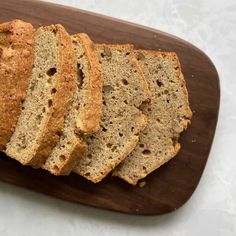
(16, 62)
(84, 114)
(124, 91)
(168, 115)
(49, 95)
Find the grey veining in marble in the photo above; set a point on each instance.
(211, 26)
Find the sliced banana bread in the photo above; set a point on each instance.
(124, 91)
(16, 63)
(168, 115)
(51, 89)
(84, 114)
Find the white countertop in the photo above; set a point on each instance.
(210, 25)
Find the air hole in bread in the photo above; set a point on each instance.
(104, 129)
(114, 148)
(109, 145)
(51, 72)
(120, 134)
(39, 117)
(104, 103)
(32, 86)
(44, 110)
(124, 81)
(125, 101)
(58, 133)
(56, 168)
(167, 100)
(141, 145)
(159, 83)
(53, 91)
(87, 174)
(80, 74)
(62, 158)
(146, 152)
(132, 129)
(49, 102)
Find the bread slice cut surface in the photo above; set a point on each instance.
(168, 115)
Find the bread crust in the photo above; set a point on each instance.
(16, 61)
(65, 86)
(90, 114)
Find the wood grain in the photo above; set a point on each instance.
(170, 186)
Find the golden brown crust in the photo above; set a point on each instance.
(16, 61)
(66, 85)
(92, 111)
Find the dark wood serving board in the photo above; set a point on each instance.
(168, 187)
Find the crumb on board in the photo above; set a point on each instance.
(141, 184)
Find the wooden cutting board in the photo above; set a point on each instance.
(169, 187)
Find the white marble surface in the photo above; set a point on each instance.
(210, 25)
